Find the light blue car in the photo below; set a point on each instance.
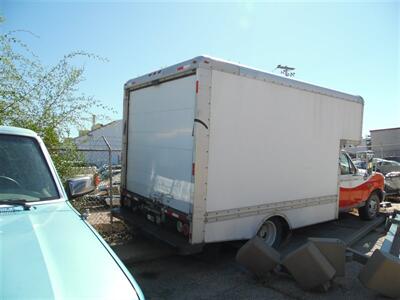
(47, 249)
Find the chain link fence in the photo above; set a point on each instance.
(386, 151)
(383, 151)
(104, 165)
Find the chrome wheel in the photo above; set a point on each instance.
(268, 232)
(373, 205)
(371, 208)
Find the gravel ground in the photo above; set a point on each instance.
(190, 277)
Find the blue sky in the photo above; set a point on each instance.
(352, 47)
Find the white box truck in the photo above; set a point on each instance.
(215, 151)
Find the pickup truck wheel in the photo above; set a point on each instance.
(271, 232)
(371, 208)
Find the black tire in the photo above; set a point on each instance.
(371, 208)
(277, 238)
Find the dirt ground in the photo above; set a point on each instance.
(191, 277)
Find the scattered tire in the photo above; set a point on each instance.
(371, 208)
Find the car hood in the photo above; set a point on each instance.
(49, 252)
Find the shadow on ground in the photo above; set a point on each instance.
(193, 277)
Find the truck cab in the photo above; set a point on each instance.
(48, 250)
(360, 189)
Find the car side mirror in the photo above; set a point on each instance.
(80, 186)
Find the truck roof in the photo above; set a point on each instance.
(188, 66)
(17, 131)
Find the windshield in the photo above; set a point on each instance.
(24, 173)
(360, 164)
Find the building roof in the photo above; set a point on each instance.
(393, 128)
(102, 127)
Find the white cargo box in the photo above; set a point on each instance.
(228, 147)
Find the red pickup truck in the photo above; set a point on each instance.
(358, 189)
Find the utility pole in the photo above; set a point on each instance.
(285, 70)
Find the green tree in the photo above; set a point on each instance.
(42, 98)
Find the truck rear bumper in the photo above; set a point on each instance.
(139, 222)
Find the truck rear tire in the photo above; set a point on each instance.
(371, 208)
(272, 232)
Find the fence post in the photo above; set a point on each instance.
(110, 177)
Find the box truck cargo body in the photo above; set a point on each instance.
(212, 150)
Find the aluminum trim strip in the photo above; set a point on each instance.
(221, 215)
(207, 62)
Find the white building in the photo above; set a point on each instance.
(92, 144)
(386, 142)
